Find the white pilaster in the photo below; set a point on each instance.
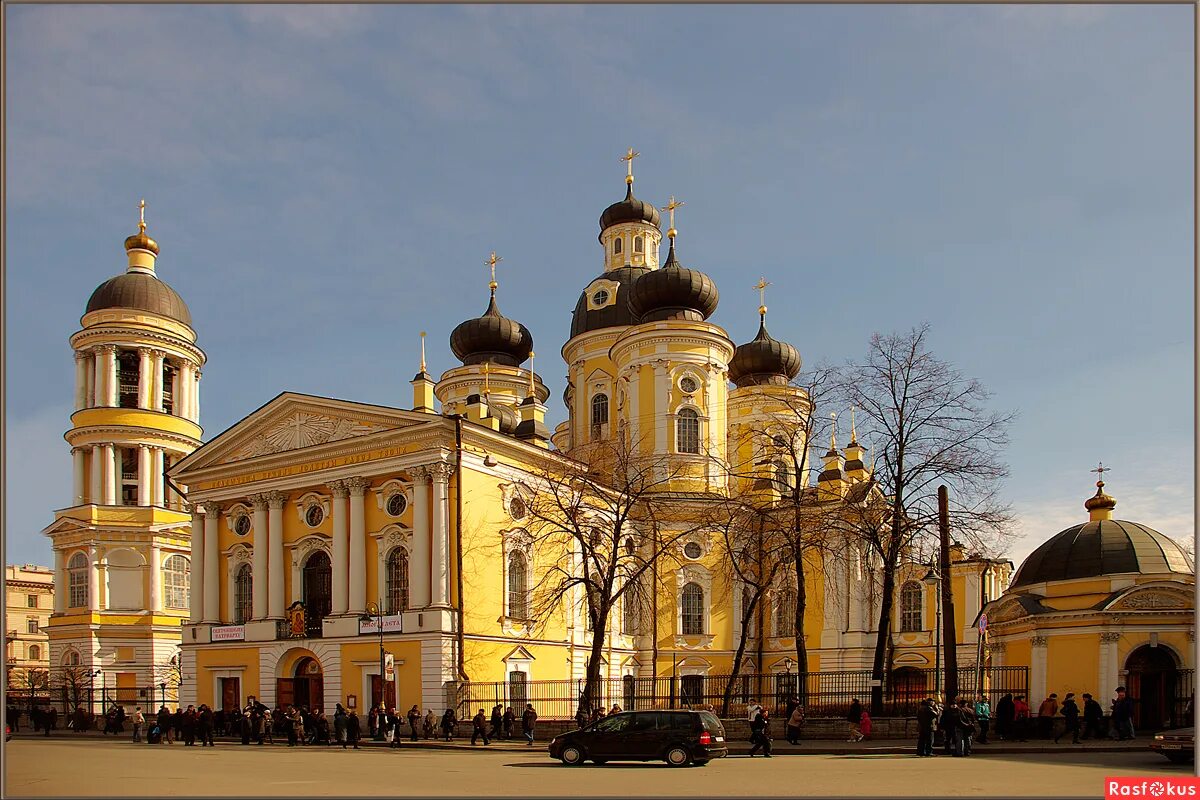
(661, 407)
(258, 564)
(156, 476)
(357, 595)
(81, 379)
(156, 602)
(1037, 669)
(421, 567)
(197, 585)
(145, 378)
(93, 579)
(60, 583)
(1108, 679)
(209, 572)
(96, 487)
(156, 386)
(144, 469)
(341, 564)
(440, 473)
(79, 475)
(275, 565)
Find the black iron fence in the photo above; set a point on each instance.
(827, 693)
(84, 707)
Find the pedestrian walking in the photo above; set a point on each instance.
(510, 720)
(794, 723)
(1093, 718)
(759, 738)
(294, 725)
(853, 717)
(414, 720)
(1021, 719)
(207, 726)
(964, 728)
(245, 726)
(752, 709)
(373, 721)
(926, 719)
(1046, 712)
(177, 722)
(353, 729)
(449, 723)
(528, 719)
(339, 725)
(582, 716)
(430, 726)
(189, 726)
(864, 725)
(1005, 712)
(983, 715)
(138, 721)
(1070, 712)
(497, 721)
(1122, 716)
(479, 728)
(164, 723)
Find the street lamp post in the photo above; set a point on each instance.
(933, 579)
(374, 612)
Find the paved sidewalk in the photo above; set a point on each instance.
(736, 747)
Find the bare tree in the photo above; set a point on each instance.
(927, 424)
(597, 535)
(34, 680)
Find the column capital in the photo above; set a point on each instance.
(258, 500)
(145, 352)
(196, 371)
(213, 510)
(420, 474)
(338, 488)
(105, 348)
(441, 471)
(276, 499)
(82, 355)
(1110, 637)
(1038, 641)
(156, 353)
(356, 486)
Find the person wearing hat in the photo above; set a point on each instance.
(1070, 712)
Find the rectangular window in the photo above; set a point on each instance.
(517, 694)
(31, 625)
(31, 601)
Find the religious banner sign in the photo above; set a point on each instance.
(296, 619)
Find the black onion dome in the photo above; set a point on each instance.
(673, 292)
(764, 360)
(629, 210)
(1103, 547)
(141, 292)
(615, 315)
(492, 338)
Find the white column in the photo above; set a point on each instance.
(89, 391)
(196, 397)
(1108, 679)
(81, 380)
(176, 400)
(108, 465)
(441, 554)
(209, 572)
(104, 361)
(156, 386)
(156, 475)
(357, 595)
(341, 563)
(144, 469)
(145, 378)
(197, 585)
(258, 565)
(275, 564)
(93, 579)
(96, 488)
(156, 595)
(1037, 670)
(111, 384)
(420, 569)
(79, 471)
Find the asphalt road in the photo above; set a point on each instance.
(61, 767)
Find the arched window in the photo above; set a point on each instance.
(692, 610)
(747, 599)
(910, 607)
(77, 579)
(243, 595)
(631, 609)
(518, 586)
(318, 587)
(177, 574)
(599, 410)
(785, 612)
(783, 476)
(639, 244)
(71, 658)
(397, 580)
(687, 431)
(617, 246)
(35, 652)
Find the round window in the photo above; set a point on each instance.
(396, 504)
(688, 384)
(692, 550)
(517, 509)
(241, 525)
(314, 515)
(600, 297)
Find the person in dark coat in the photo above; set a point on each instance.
(339, 726)
(177, 722)
(414, 720)
(53, 718)
(373, 722)
(964, 727)
(946, 721)
(1122, 715)
(245, 726)
(926, 719)
(321, 726)
(497, 721)
(758, 734)
(479, 728)
(1004, 717)
(528, 720)
(449, 723)
(189, 726)
(353, 729)
(1093, 718)
(853, 717)
(1070, 712)
(581, 716)
(510, 719)
(204, 726)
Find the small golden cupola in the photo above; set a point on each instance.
(831, 482)
(140, 248)
(855, 469)
(1100, 505)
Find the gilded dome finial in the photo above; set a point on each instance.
(670, 209)
(141, 249)
(142, 216)
(1100, 505)
(532, 391)
(853, 429)
(422, 351)
(492, 262)
(762, 298)
(628, 159)
(833, 432)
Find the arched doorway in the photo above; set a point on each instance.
(307, 685)
(1151, 681)
(318, 589)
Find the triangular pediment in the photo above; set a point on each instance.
(294, 421)
(519, 653)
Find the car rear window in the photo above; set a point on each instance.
(711, 723)
(675, 721)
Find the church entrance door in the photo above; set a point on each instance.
(1150, 681)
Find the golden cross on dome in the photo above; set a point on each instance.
(853, 430)
(762, 285)
(531, 391)
(833, 430)
(670, 209)
(142, 215)
(422, 351)
(628, 159)
(492, 262)
(1100, 470)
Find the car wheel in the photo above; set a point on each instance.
(572, 756)
(678, 756)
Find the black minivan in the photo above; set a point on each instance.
(677, 737)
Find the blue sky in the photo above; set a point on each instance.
(325, 182)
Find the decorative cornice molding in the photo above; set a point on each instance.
(79, 340)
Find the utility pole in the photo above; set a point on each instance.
(949, 639)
